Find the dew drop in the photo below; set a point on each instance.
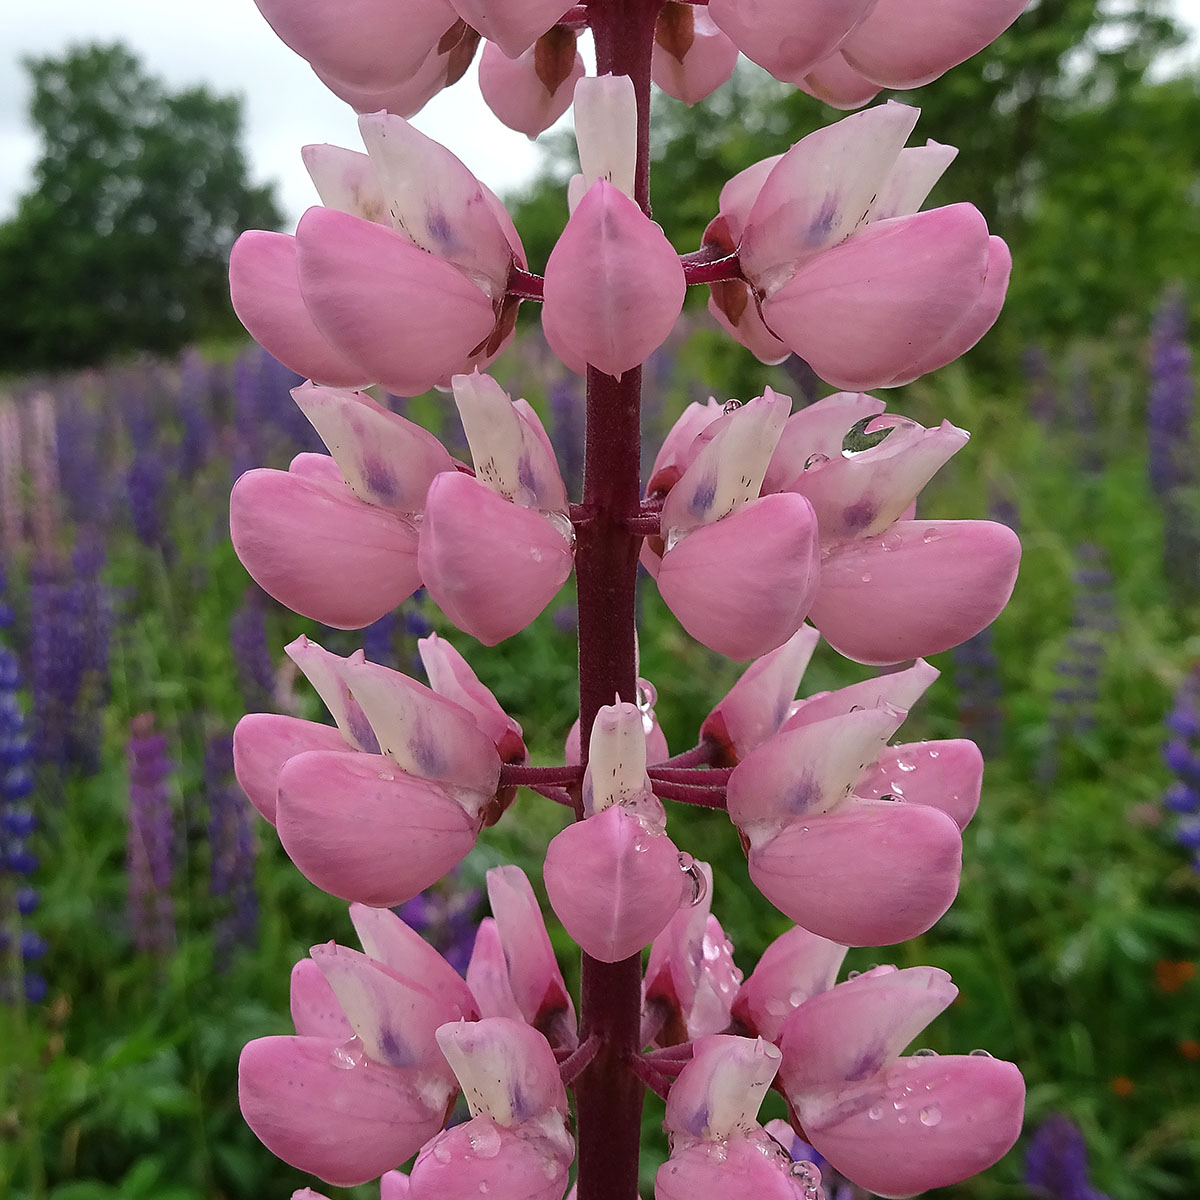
(891, 541)
(875, 1112)
(930, 535)
(562, 522)
(903, 1118)
(483, 1187)
(731, 406)
(485, 1141)
(931, 1116)
(925, 1054)
(349, 1055)
(387, 776)
(815, 460)
(866, 577)
(797, 998)
(853, 974)
(441, 1152)
(647, 695)
(934, 753)
(980, 1054)
(696, 879)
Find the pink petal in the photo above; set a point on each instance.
(605, 134)
(734, 308)
(757, 705)
(264, 285)
(692, 57)
(506, 1068)
(821, 191)
(487, 974)
(369, 43)
(718, 1093)
(394, 1186)
(679, 446)
(531, 92)
(743, 585)
(634, 285)
(394, 1016)
(957, 1116)
(834, 81)
(788, 36)
(388, 940)
(796, 966)
(263, 742)
(899, 46)
(310, 465)
(319, 550)
(947, 775)
(852, 1031)
(436, 202)
(914, 176)
(450, 675)
(411, 318)
(739, 194)
(898, 690)
(932, 587)
(863, 493)
(614, 882)
(361, 829)
(514, 25)
(315, 1009)
(805, 771)
(741, 1167)
(978, 320)
(326, 672)
(331, 1111)
(491, 565)
(427, 735)
(385, 459)
(815, 434)
(862, 311)
(537, 983)
(406, 96)
(871, 874)
(346, 180)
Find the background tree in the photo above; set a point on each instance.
(137, 196)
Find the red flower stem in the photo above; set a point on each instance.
(704, 776)
(608, 1093)
(524, 284)
(643, 525)
(671, 1059)
(511, 773)
(657, 1082)
(686, 793)
(571, 1066)
(700, 268)
(558, 794)
(697, 756)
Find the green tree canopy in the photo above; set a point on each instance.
(137, 197)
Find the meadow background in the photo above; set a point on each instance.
(150, 919)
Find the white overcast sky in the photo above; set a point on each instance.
(227, 45)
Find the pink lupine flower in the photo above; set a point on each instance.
(692, 56)
(615, 879)
(513, 971)
(371, 44)
(495, 549)
(335, 539)
(886, 43)
(738, 569)
(514, 25)
(529, 93)
(657, 749)
(841, 268)
(718, 1148)
(404, 275)
(348, 1108)
(895, 1126)
(393, 1185)
(516, 1146)
(856, 870)
(691, 976)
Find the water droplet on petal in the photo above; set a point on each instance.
(866, 577)
(349, 1055)
(875, 1112)
(891, 541)
(561, 521)
(925, 1054)
(441, 1152)
(731, 406)
(930, 535)
(903, 1118)
(485, 1141)
(934, 753)
(647, 695)
(696, 879)
(387, 776)
(981, 1054)
(815, 460)
(931, 1116)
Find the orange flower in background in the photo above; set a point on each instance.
(1122, 1086)
(1172, 976)
(1190, 1048)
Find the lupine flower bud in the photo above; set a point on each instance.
(692, 56)
(529, 93)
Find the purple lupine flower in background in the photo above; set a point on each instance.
(1171, 401)
(196, 405)
(834, 1185)
(150, 844)
(1181, 753)
(379, 639)
(262, 405)
(88, 607)
(52, 672)
(1085, 649)
(566, 430)
(135, 390)
(1043, 396)
(146, 489)
(18, 897)
(85, 448)
(446, 916)
(252, 651)
(806, 382)
(1056, 1162)
(43, 469)
(234, 848)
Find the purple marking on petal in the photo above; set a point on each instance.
(396, 1052)
(859, 515)
(866, 1065)
(703, 497)
(360, 727)
(823, 222)
(440, 228)
(379, 478)
(525, 473)
(428, 757)
(804, 795)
